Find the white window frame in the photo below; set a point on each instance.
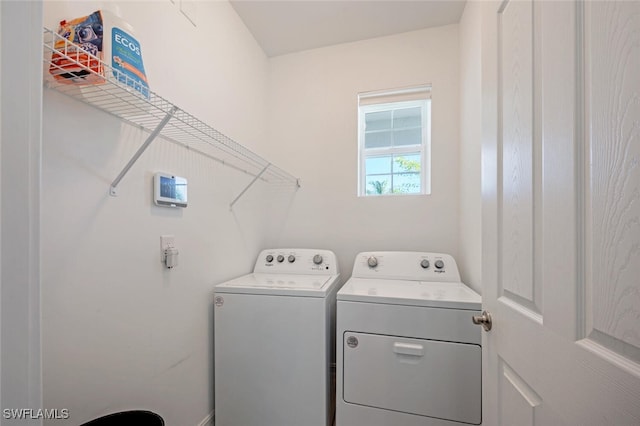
(424, 148)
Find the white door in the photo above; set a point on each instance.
(561, 212)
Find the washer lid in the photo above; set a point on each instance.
(415, 293)
(279, 284)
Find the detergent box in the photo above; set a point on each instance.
(98, 39)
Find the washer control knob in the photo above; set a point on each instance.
(280, 258)
(424, 263)
(291, 258)
(317, 259)
(439, 264)
(372, 261)
(269, 258)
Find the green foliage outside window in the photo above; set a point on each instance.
(405, 166)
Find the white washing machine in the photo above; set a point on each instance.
(408, 353)
(275, 341)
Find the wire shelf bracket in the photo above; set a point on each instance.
(112, 191)
(89, 80)
(248, 186)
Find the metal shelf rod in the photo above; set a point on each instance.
(145, 145)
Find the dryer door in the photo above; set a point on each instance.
(416, 376)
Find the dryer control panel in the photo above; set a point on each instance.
(406, 265)
(297, 261)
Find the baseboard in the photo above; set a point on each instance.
(208, 421)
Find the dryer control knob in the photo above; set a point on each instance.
(372, 261)
(269, 258)
(317, 259)
(280, 258)
(439, 264)
(424, 263)
(291, 258)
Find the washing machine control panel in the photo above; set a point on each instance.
(297, 261)
(415, 266)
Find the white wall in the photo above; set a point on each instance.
(120, 331)
(313, 134)
(470, 257)
(20, 138)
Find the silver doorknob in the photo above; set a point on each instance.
(484, 319)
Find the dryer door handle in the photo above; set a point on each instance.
(408, 349)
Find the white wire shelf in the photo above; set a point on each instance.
(117, 94)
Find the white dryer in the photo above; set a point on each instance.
(408, 353)
(274, 337)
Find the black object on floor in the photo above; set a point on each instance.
(126, 418)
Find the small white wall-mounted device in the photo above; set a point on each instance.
(171, 257)
(168, 252)
(169, 190)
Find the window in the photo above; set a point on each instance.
(394, 142)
